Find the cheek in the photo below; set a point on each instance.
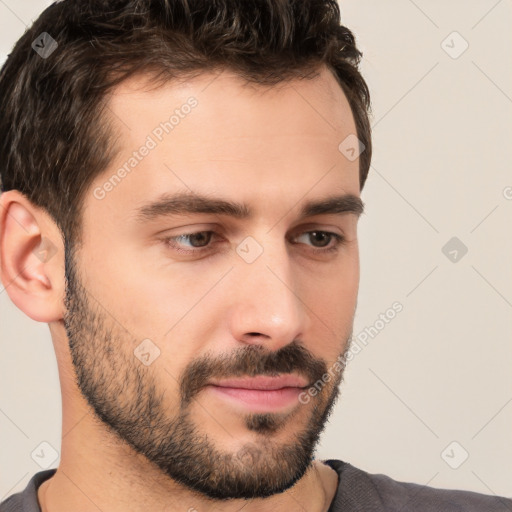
(174, 307)
(332, 301)
(147, 294)
(335, 284)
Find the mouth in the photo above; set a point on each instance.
(263, 382)
(260, 394)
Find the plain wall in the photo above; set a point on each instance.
(439, 371)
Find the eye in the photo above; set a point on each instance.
(323, 238)
(199, 241)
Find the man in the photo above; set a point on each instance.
(190, 237)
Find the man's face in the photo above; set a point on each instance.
(152, 323)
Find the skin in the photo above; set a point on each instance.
(212, 312)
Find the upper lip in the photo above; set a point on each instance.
(263, 382)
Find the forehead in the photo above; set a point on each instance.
(321, 89)
(227, 106)
(217, 134)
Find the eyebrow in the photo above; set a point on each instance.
(185, 203)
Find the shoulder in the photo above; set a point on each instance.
(359, 490)
(26, 500)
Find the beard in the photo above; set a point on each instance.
(128, 398)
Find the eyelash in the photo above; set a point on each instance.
(170, 242)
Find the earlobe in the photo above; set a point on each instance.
(31, 258)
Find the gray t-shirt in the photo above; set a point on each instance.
(358, 491)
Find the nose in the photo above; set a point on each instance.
(266, 306)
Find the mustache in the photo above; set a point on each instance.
(250, 361)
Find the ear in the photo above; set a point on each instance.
(31, 258)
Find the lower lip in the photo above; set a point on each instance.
(260, 400)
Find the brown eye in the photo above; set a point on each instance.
(322, 239)
(197, 241)
(321, 236)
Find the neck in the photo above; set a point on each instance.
(67, 491)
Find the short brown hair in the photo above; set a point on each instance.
(54, 138)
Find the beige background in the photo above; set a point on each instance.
(438, 372)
